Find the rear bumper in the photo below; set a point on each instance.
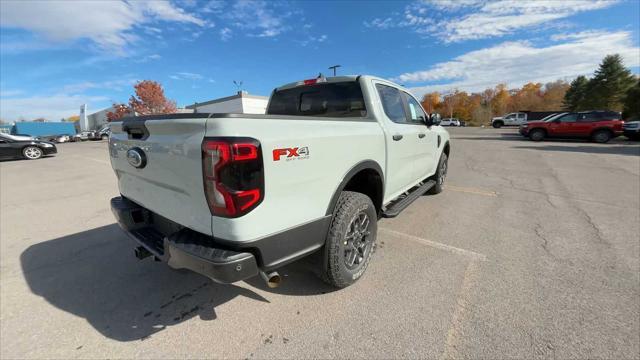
(184, 248)
(221, 260)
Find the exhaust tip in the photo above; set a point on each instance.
(272, 279)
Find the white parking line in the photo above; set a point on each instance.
(472, 254)
(469, 190)
(463, 301)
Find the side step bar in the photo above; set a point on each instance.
(397, 206)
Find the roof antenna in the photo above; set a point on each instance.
(238, 85)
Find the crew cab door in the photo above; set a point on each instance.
(424, 164)
(510, 119)
(521, 118)
(401, 139)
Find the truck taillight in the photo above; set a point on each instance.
(233, 175)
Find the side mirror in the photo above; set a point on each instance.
(433, 119)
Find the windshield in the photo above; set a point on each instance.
(343, 99)
(553, 117)
(548, 117)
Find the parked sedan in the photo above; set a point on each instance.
(24, 147)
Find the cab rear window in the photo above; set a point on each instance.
(343, 99)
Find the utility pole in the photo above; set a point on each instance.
(334, 67)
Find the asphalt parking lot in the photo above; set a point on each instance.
(532, 251)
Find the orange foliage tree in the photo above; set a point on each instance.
(478, 108)
(148, 100)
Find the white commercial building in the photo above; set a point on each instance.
(241, 103)
(94, 121)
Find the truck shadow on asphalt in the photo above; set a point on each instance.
(94, 275)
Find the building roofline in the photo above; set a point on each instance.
(232, 97)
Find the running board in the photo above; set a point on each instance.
(396, 207)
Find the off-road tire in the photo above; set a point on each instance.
(537, 135)
(601, 136)
(440, 175)
(497, 124)
(32, 152)
(349, 206)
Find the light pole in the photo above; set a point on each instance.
(334, 67)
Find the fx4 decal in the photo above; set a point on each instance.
(288, 154)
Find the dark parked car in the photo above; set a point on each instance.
(632, 130)
(599, 126)
(24, 147)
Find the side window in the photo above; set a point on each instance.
(589, 117)
(569, 118)
(392, 103)
(510, 116)
(520, 116)
(416, 114)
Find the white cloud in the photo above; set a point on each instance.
(313, 40)
(186, 76)
(225, 34)
(148, 58)
(260, 16)
(480, 19)
(53, 107)
(110, 24)
(517, 63)
(499, 18)
(114, 85)
(10, 93)
(452, 5)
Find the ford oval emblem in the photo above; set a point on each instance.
(136, 157)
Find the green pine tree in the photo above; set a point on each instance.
(574, 97)
(631, 109)
(608, 88)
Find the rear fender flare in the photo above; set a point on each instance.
(364, 165)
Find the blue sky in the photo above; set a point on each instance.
(57, 55)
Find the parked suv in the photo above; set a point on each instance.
(450, 122)
(632, 130)
(599, 126)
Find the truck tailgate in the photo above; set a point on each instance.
(170, 183)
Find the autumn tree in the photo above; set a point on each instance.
(120, 111)
(430, 102)
(500, 100)
(150, 99)
(553, 96)
(528, 98)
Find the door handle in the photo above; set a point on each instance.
(397, 137)
(421, 135)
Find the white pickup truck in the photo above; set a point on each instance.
(232, 196)
(519, 118)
